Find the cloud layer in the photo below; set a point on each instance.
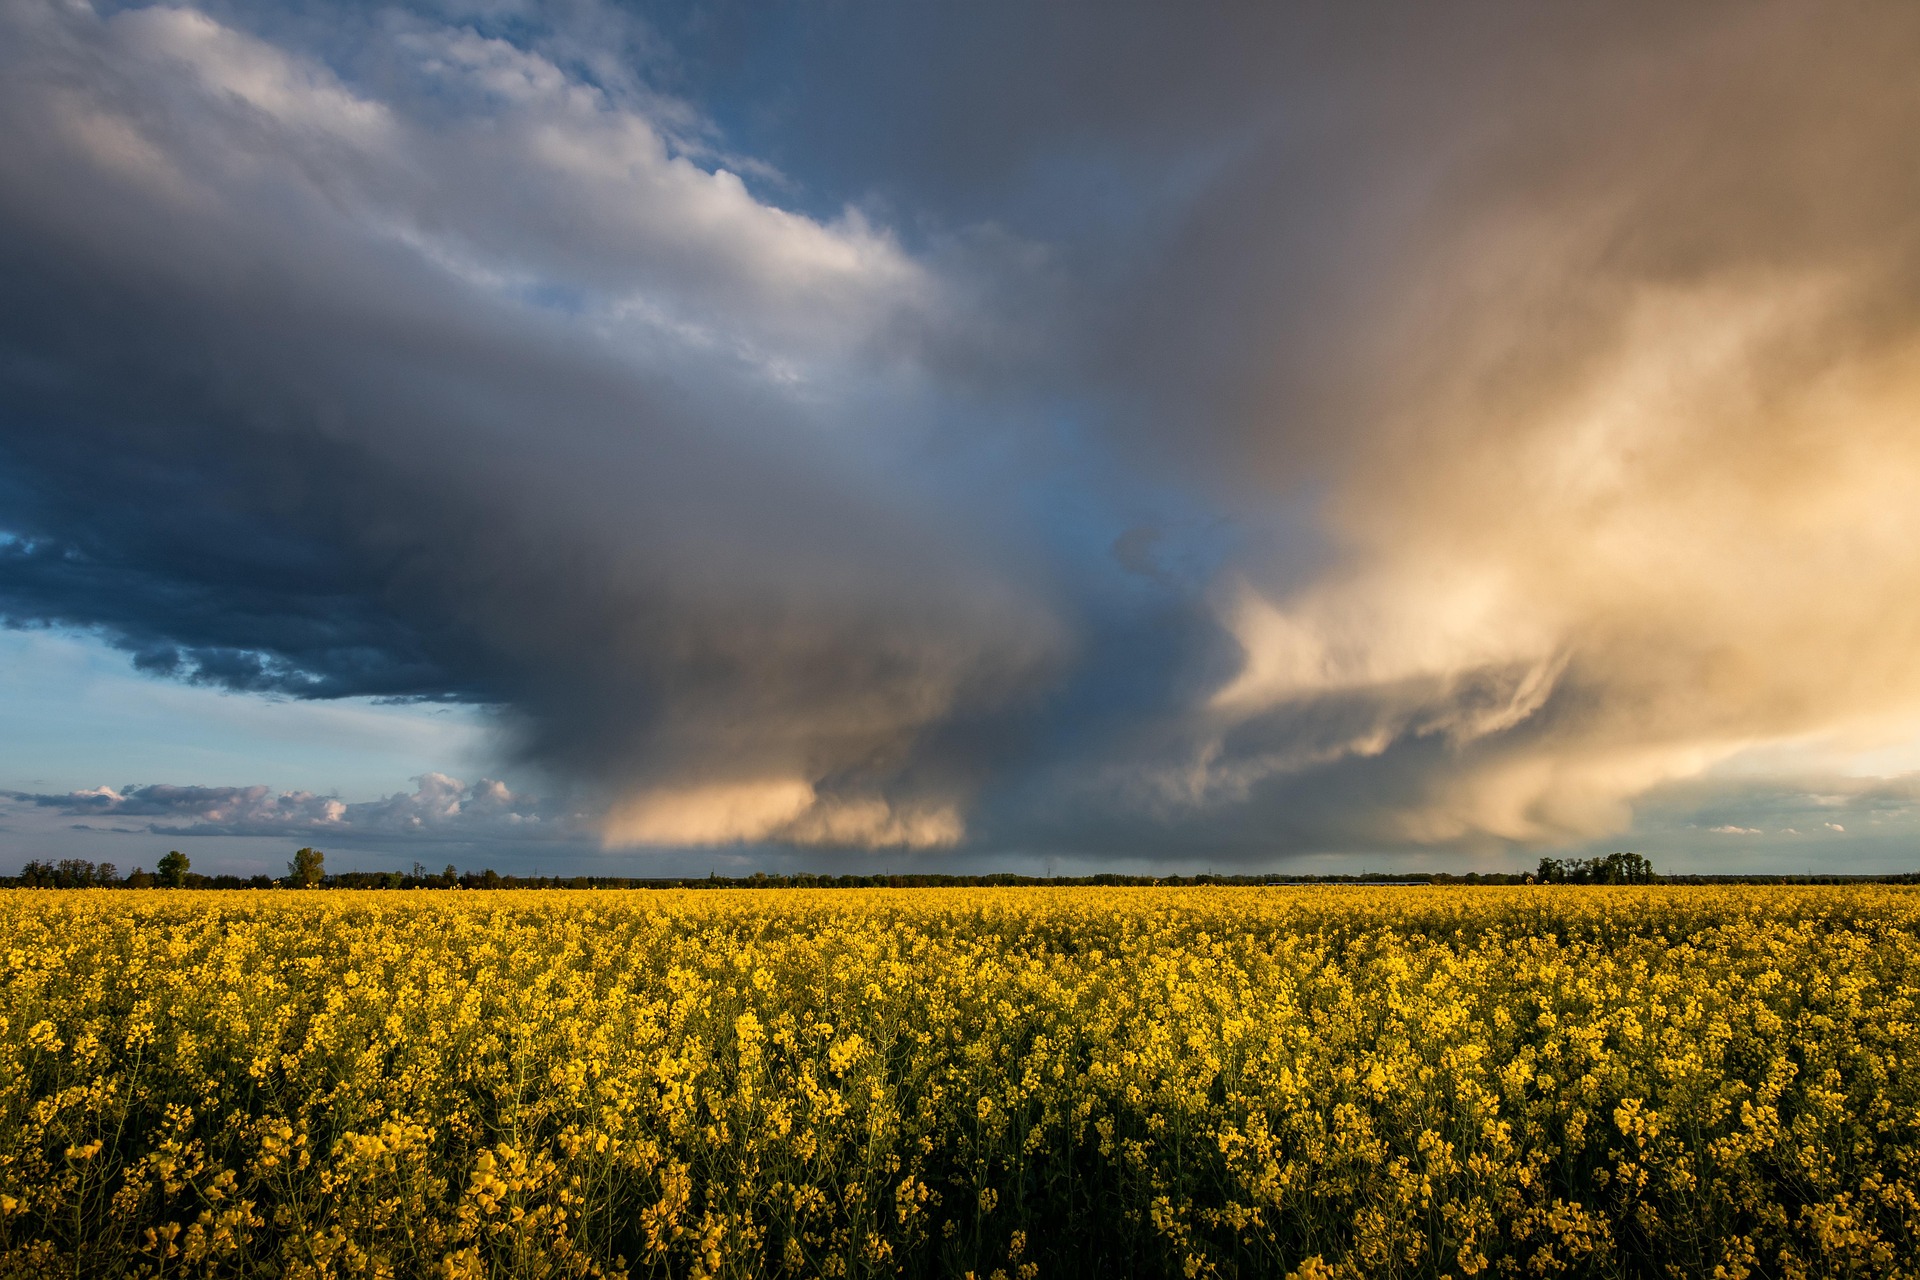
(439, 807)
(990, 432)
(1626, 492)
(515, 405)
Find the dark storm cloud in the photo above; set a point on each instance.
(174, 560)
(293, 416)
(1246, 430)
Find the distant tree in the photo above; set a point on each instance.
(308, 868)
(1627, 868)
(106, 874)
(1615, 868)
(73, 873)
(172, 869)
(140, 878)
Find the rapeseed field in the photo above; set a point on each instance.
(1013, 1084)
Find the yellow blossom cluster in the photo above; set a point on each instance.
(1003, 1083)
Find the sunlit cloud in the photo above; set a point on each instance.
(787, 810)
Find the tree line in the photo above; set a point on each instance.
(1614, 868)
(174, 871)
(307, 869)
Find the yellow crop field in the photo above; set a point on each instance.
(1017, 1083)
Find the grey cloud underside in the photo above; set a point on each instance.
(429, 357)
(260, 446)
(190, 568)
(439, 808)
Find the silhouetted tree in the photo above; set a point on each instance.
(172, 869)
(1615, 868)
(308, 868)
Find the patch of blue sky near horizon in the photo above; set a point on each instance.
(79, 716)
(1817, 804)
(28, 833)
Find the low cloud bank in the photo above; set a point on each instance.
(439, 807)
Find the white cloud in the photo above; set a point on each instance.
(527, 181)
(294, 93)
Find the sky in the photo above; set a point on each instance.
(587, 438)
